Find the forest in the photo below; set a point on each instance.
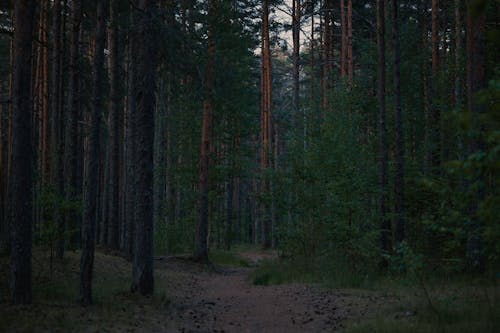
(249, 166)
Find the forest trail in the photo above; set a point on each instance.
(188, 298)
(228, 301)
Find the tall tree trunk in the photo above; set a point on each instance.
(91, 183)
(328, 55)
(435, 116)
(4, 232)
(21, 189)
(350, 60)
(56, 174)
(343, 40)
(142, 268)
(44, 141)
(159, 159)
(201, 246)
(384, 149)
(71, 138)
(476, 81)
(458, 53)
(130, 142)
(115, 128)
(228, 209)
(398, 117)
(312, 65)
(40, 76)
(423, 18)
(10, 116)
(266, 119)
(296, 17)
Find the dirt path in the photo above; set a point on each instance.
(188, 298)
(229, 302)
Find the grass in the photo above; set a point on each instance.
(305, 271)
(441, 304)
(274, 272)
(55, 305)
(457, 315)
(228, 258)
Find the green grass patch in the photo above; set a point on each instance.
(283, 271)
(444, 317)
(272, 272)
(55, 305)
(227, 258)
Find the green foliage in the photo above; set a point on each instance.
(474, 313)
(174, 238)
(227, 258)
(329, 190)
(405, 261)
(275, 272)
(52, 206)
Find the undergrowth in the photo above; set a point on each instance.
(446, 303)
(227, 258)
(55, 296)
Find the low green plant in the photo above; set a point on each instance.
(227, 258)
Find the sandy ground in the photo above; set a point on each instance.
(191, 298)
(228, 302)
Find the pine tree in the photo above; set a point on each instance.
(21, 172)
(91, 183)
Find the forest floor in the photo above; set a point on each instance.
(191, 298)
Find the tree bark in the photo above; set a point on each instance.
(115, 128)
(296, 17)
(328, 55)
(201, 246)
(71, 138)
(130, 142)
(399, 177)
(343, 40)
(266, 103)
(22, 153)
(435, 116)
(384, 149)
(350, 60)
(458, 53)
(476, 81)
(142, 268)
(91, 183)
(56, 168)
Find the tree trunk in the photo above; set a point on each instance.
(21, 189)
(399, 177)
(91, 183)
(71, 138)
(142, 268)
(228, 211)
(384, 149)
(458, 53)
(201, 246)
(266, 120)
(435, 116)
(423, 13)
(130, 142)
(350, 60)
(4, 232)
(328, 55)
(56, 179)
(296, 53)
(159, 151)
(115, 128)
(476, 81)
(343, 40)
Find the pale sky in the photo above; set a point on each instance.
(283, 14)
